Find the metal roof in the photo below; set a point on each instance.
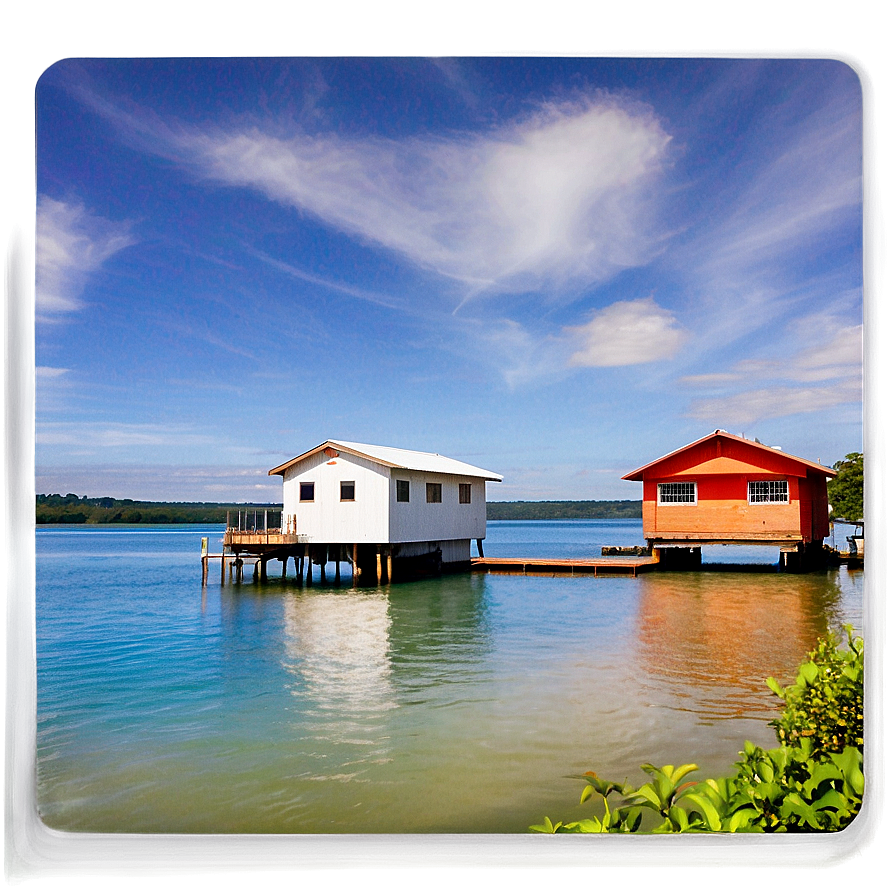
(397, 458)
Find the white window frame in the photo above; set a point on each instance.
(674, 503)
(752, 499)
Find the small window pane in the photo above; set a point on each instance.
(402, 491)
(463, 493)
(677, 493)
(306, 491)
(768, 492)
(346, 491)
(433, 492)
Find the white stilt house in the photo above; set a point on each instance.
(373, 506)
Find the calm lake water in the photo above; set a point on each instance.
(447, 705)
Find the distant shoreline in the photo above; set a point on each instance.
(67, 510)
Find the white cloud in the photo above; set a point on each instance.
(834, 357)
(93, 436)
(765, 404)
(745, 259)
(561, 198)
(50, 373)
(839, 356)
(159, 482)
(71, 245)
(624, 333)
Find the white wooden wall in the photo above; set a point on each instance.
(375, 516)
(419, 521)
(327, 519)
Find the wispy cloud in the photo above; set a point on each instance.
(780, 383)
(625, 333)
(96, 436)
(366, 295)
(71, 245)
(765, 404)
(50, 373)
(744, 259)
(565, 197)
(160, 482)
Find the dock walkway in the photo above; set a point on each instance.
(614, 565)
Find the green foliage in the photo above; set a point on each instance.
(563, 510)
(813, 782)
(826, 702)
(846, 489)
(70, 508)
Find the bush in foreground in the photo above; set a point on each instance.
(812, 782)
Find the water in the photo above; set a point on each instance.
(448, 705)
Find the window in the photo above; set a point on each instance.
(346, 491)
(768, 492)
(677, 493)
(402, 491)
(306, 491)
(433, 492)
(463, 493)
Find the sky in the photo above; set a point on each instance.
(557, 269)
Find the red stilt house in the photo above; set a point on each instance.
(723, 489)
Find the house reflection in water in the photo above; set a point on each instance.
(710, 640)
(336, 645)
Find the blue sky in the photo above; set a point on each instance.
(554, 268)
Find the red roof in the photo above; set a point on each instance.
(638, 475)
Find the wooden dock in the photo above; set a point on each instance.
(614, 565)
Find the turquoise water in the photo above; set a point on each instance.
(447, 705)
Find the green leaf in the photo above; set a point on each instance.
(547, 828)
(708, 811)
(809, 672)
(679, 818)
(793, 804)
(586, 826)
(742, 820)
(681, 771)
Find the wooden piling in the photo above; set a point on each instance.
(389, 565)
(204, 552)
(379, 565)
(355, 573)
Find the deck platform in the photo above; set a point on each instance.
(614, 565)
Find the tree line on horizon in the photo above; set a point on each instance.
(845, 493)
(73, 509)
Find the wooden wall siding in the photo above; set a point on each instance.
(722, 456)
(419, 521)
(723, 509)
(722, 467)
(329, 520)
(814, 519)
(724, 519)
(375, 516)
(453, 550)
